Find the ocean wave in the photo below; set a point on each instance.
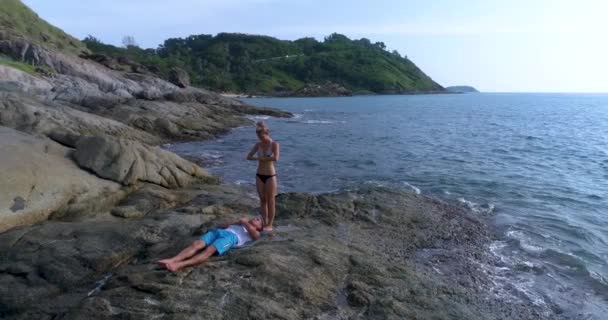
(524, 242)
(485, 208)
(313, 121)
(250, 117)
(244, 182)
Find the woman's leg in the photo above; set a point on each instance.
(270, 191)
(197, 259)
(186, 253)
(263, 203)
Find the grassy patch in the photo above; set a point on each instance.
(6, 61)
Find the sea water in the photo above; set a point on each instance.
(536, 165)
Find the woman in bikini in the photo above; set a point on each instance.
(266, 178)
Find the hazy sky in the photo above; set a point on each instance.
(494, 45)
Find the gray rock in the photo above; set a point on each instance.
(127, 212)
(359, 267)
(179, 77)
(58, 121)
(129, 162)
(38, 179)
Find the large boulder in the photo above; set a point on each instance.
(129, 162)
(179, 77)
(38, 178)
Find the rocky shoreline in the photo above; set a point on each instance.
(88, 203)
(367, 254)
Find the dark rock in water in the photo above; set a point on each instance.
(369, 254)
(179, 77)
(326, 90)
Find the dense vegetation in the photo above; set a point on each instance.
(18, 19)
(461, 89)
(262, 64)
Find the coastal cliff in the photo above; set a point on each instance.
(55, 106)
(266, 66)
(89, 202)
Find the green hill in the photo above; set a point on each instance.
(266, 65)
(17, 19)
(461, 89)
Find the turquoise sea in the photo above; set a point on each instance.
(535, 165)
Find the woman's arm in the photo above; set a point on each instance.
(275, 153)
(252, 152)
(255, 234)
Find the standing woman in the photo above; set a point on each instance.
(266, 178)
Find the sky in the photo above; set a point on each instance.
(493, 45)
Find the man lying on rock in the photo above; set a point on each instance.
(220, 240)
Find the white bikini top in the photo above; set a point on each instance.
(267, 153)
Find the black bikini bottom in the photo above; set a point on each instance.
(264, 177)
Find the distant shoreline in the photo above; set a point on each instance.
(413, 93)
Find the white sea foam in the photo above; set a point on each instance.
(524, 241)
(503, 280)
(476, 207)
(210, 155)
(243, 182)
(318, 122)
(258, 117)
(376, 183)
(416, 189)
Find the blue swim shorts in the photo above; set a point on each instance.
(221, 239)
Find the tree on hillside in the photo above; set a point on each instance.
(129, 41)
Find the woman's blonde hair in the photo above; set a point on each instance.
(261, 127)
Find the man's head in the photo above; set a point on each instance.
(257, 223)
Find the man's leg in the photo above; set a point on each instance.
(197, 259)
(195, 247)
